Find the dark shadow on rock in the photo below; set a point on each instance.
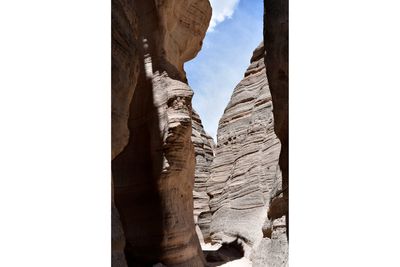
(136, 172)
(276, 41)
(226, 253)
(137, 169)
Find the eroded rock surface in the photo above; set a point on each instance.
(245, 168)
(245, 182)
(204, 152)
(276, 38)
(154, 174)
(274, 251)
(125, 72)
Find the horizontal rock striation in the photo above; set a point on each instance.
(245, 168)
(154, 174)
(204, 152)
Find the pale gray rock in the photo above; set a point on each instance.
(272, 251)
(204, 153)
(245, 175)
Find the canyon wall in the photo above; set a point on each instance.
(169, 179)
(153, 155)
(204, 152)
(276, 38)
(245, 167)
(125, 70)
(245, 178)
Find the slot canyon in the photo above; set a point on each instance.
(178, 197)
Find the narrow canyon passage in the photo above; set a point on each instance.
(234, 188)
(179, 198)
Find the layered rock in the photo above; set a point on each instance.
(204, 152)
(154, 174)
(245, 172)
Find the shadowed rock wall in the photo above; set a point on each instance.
(276, 38)
(125, 72)
(153, 175)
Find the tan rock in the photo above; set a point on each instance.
(183, 33)
(273, 251)
(154, 173)
(125, 70)
(276, 37)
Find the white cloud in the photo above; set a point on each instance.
(222, 9)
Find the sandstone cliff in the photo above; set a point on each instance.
(125, 70)
(276, 38)
(245, 174)
(159, 145)
(153, 155)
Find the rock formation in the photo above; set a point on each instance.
(245, 177)
(276, 38)
(274, 252)
(125, 70)
(153, 155)
(244, 170)
(204, 152)
(169, 179)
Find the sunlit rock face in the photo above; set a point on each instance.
(245, 172)
(153, 155)
(183, 27)
(204, 152)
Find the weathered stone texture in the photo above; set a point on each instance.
(276, 37)
(183, 28)
(125, 70)
(245, 167)
(272, 251)
(154, 173)
(204, 152)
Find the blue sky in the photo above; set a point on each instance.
(235, 31)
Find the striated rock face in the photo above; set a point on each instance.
(204, 152)
(245, 170)
(183, 27)
(154, 174)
